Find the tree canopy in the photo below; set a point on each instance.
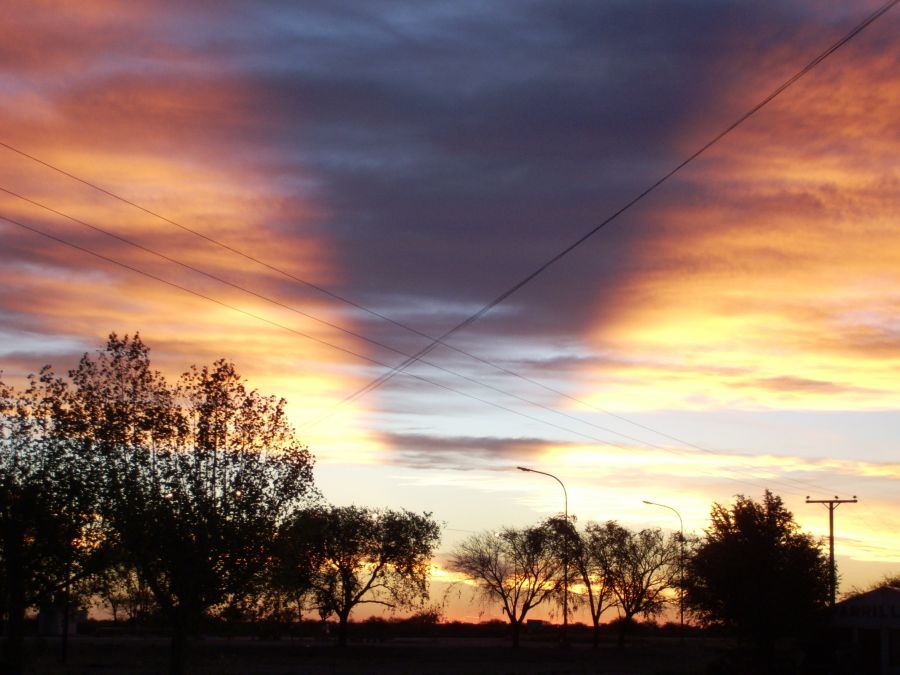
(591, 560)
(346, 556)
(639, 567)
(187, 482)
(520, 568)
(754, 572)
(199, 475)
(50, 536)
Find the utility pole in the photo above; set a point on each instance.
(831, 505)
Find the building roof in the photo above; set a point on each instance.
(879, 608)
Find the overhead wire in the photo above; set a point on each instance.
(244, 289)
(282, 326)
(330, 324)
(503, 296)
(374, 384)
(269, 299)
(325, 291)
(253, 315)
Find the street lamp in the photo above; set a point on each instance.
(680, 566)
(565, 550)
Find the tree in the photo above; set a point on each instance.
(590, 558)
(639, 567)
(519, 568)
(120, 589)
(349, 556)
(50, 538)
(197, 477)
(887, 581)
(567, 542)
(754, 572)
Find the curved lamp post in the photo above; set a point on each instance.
(565, 551)
(681, 563)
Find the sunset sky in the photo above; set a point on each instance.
(306, 170)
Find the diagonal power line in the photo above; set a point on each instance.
(374, 384)
(282, 305)
(252, 315)
(503, 296)
(290, 308)
(277, 303)
(276, 324)
(435, 341)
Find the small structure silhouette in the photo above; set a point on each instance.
(871, 624)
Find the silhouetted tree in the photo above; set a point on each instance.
(567, 542)
(50, 538)
(887, 581)
(198, 477)
(755, 572)
(350, 555)
(518, 568)
(120, 589)
(639, 567)
(591, 560)
(121, 403)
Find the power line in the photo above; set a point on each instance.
(330, 324)
(282, 305)
(475, 317)
(441, 340)
(374, 384)
(318, 288)
(355, 334)
(276, 324)
(322, 417)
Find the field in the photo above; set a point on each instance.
(90, 655)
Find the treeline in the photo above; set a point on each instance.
(752, 572)
(187, 499)
(194, 500)
(601, 567)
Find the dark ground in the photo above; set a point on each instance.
(121, 655)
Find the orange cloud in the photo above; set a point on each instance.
(150, 139)
(777, 257)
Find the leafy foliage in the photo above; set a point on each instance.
(756, 573)
(50, 537)
(197, 478)
(591, 563)
(349, 555)
(639, 567)
(519, 568)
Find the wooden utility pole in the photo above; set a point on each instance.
(831, 505)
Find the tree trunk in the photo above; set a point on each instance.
(179, 641)
(14, 643)
(67, 608)
(516, 630)
(623, 628)
(343, 619)
(596, 636)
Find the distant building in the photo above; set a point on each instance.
(870, 624)
(51, 620)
